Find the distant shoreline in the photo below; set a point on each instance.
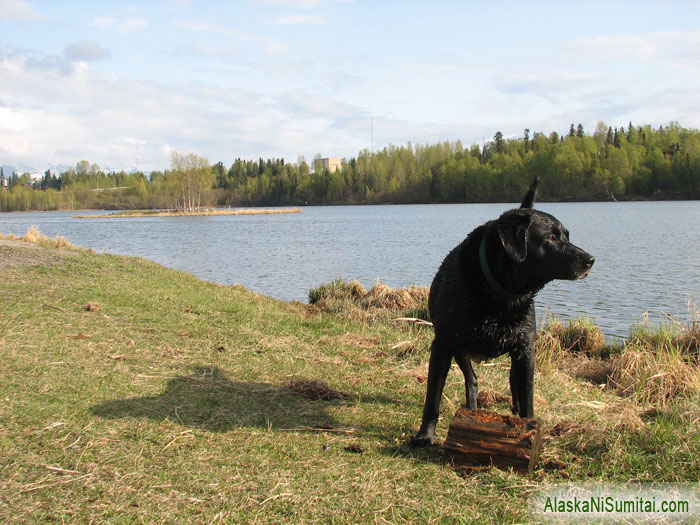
(199, 213)
(254, 211)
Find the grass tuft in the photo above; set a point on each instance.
(337, 295)
(653, 366)
(581, 336)
(656, 366)
(350, 299)
(34, 236)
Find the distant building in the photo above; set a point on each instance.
(332, 164)
(4, 183)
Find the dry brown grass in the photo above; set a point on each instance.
(397, 299)
(34, 236)
(351, 299)
(358, 340)
(652, 367)
(654, 375)
(578, 337)
(595, 371)
(487, 398)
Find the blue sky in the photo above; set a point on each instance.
(111, 82)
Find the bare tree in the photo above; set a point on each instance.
(192, 177)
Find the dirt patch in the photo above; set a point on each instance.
(358, 340)
(316, 389)
(19, 254)
(595, 371)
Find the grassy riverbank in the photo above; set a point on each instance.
(134, 393)
(196, 213)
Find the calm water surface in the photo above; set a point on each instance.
(647, 253)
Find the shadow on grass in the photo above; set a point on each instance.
(209, 400)
(430, 454)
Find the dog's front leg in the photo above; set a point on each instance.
(439, 366)
(522, 381)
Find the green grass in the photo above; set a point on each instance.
(166, 400)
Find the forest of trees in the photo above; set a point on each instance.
(625, 163)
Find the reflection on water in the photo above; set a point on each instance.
(647, 253)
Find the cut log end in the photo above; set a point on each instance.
(478, 438)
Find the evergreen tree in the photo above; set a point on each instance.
(526, 139)
(498, 141)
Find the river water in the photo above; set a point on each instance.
(647, 253)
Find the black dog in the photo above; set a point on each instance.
(481, 302)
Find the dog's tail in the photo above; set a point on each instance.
(529, 200)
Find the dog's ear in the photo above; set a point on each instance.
(513, 234)
(529, 200)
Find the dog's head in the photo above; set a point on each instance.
(539, 245)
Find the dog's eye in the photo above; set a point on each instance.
(551, 237)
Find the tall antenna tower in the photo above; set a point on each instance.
(371, 133)
(137, 157)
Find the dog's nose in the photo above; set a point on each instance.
(589, 260)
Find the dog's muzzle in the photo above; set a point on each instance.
(587, 261)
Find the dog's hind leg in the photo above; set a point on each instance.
(440, 359)
(471, 385)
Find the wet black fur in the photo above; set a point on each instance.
(525, 249)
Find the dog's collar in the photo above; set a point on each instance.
(488, 275)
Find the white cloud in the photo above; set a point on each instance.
(305, 106)
(268, 45)
(86, 50)
(58, 106)
(73, 60)
(18, 11)
(546, 84)
(203, 27)
(128, 25)
(104, 22)
(133, 24)
(440, 65)
(298, 19)
(649, 47)
(302, 4)
(206, 49)
(12, 120)
(68, 116)
(48, 63)
(615, 47)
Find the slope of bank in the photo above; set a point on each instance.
(131, 392)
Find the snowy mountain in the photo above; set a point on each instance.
(38, 172)
(35, 171)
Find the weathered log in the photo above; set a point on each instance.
(481, 437)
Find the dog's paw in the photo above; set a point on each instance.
(420, 442)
